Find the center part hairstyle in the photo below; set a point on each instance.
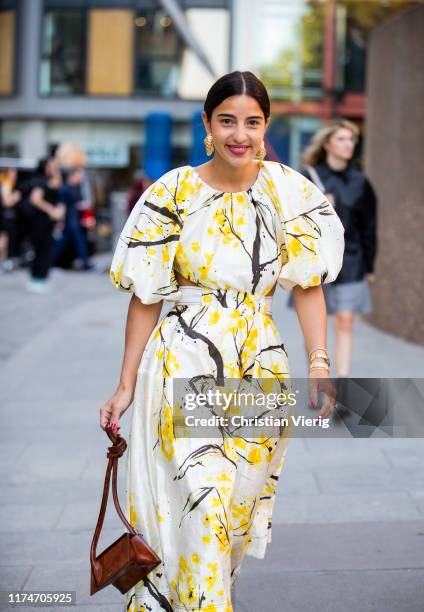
(237, 84)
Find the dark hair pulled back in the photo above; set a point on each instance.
(236, 84)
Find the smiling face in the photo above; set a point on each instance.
(238, 127)
(341, 144)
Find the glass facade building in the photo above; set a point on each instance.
(96, 68)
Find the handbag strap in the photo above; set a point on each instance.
(114, 452)
(315, 178)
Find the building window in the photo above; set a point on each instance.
(158, 54)
(355, 23)
(7, 52)
(110, 52)
(63, 52)
(291, 62)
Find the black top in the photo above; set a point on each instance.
(40, 221)
(356, 205)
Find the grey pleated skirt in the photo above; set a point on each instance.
(353, 297)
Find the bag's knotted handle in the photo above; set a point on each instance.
(114, 453)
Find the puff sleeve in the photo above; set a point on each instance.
(143, 259)
(313, 233)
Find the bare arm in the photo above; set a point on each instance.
(10, 197)
(141, 320)
(312, 313)
(56, 213)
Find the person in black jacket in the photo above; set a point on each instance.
(328, 163)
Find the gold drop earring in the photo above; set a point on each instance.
(209, 144)
(261, 152)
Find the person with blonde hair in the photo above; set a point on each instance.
(327, 161)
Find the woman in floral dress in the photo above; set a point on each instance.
(214, 240)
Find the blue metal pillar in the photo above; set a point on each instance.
(158, 147)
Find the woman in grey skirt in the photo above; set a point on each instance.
(328, 163)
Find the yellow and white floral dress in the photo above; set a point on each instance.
(203, 504)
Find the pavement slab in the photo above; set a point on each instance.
(348, 523)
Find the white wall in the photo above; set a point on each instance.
(212, 29)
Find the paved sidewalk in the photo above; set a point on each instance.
(348, 530)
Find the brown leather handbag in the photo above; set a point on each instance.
(129, 559)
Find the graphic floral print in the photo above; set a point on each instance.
(203, 503)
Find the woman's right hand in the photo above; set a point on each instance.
(114, 408)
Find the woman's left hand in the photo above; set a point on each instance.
(320, 381)
(58, 212)
(371, 278)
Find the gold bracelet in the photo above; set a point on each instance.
(320, 366)
(319, 360)
(321, 353)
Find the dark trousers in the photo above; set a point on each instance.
(73, 232)
(42, 243)
(10, 226)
